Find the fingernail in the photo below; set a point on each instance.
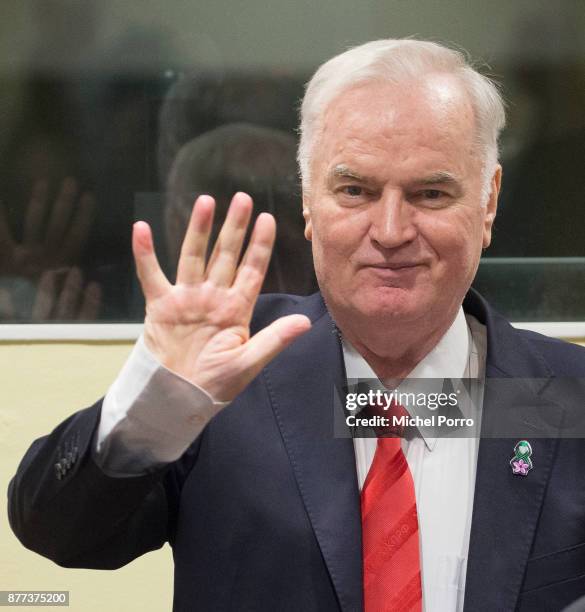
(142, 239)
(204, 199)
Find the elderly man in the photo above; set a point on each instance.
(217, 435)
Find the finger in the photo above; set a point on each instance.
(61, 213)
(222, 264)
(253, 268)
(151, 277)
(191, 266)
(35, 214)
(6, 241)
(7, 311)
(45, 296)
(77, 235)
(70, 295)
(92, 301)
(268, 342)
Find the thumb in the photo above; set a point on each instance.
(268, 342)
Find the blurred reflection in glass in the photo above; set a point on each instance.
(39, 277)
(261, 162)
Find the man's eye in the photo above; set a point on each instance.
(432, 194)
(353, 191)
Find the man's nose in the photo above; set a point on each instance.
(392, 220)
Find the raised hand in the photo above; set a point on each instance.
(199, 327)
(69, 300)
(59, 295)
(54, 236)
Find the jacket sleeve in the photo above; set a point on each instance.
(62, 505)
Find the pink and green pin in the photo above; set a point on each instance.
(521, 462)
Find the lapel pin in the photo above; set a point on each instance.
(521, 462)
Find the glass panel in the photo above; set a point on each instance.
(536, 288)
(111, 112)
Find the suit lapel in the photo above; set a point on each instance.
(505, 515)
(506, 505)
(324, 466)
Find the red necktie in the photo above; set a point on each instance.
(390, 534)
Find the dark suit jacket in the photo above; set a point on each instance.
(263, 509)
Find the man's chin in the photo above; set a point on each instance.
(389, 304)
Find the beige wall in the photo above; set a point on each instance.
(43, 383)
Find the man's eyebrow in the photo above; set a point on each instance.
(439, 178)
(343, 171)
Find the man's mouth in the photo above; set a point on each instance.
(394, 265)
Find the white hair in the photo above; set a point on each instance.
(394, 61)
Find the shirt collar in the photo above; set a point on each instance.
(448, 359)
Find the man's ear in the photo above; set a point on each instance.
(307, 217)
(491, 206)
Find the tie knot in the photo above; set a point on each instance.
(389, 446)
(393, 419)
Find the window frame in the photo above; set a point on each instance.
(129, 332)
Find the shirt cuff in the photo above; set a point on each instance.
(150, 416)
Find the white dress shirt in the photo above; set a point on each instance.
(443, 469)
(150, 416)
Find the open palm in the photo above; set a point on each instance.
(199, 327)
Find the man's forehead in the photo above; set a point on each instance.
(375, 124)
(438, 95)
